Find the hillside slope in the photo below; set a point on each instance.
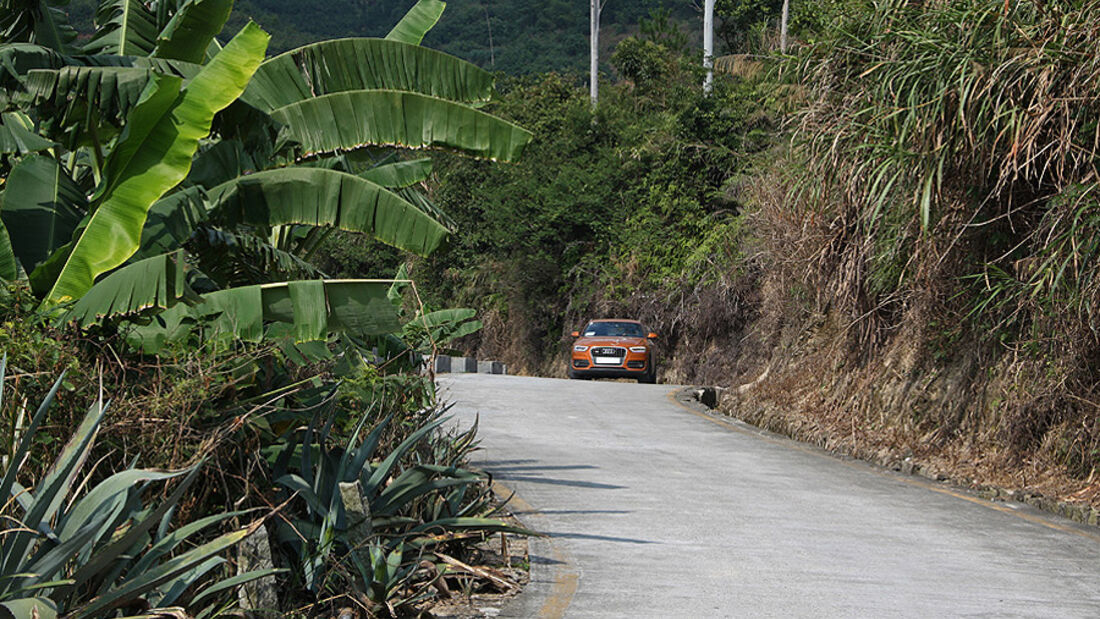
(514, 36)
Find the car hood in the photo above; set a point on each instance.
(610, 341)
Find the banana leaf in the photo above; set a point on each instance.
(350, 120)
(314, 307)
(42, 207)
(222, 161)
(68, 94)
(153, 154)
(171, 222)
(153, 283)
(417, 22)
(320, 197)
(41, 22)
(9, 266)
(124, 28)
(232, 259)
(344, 65)
(442, 327)
(189, 33)
(16, 59)
(17, 135)
(400, 174)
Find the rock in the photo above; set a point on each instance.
(707, 396)
(258, 598)
(358, 514)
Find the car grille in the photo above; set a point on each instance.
(604, 352)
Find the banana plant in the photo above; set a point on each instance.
(273, 156)
(89, 552)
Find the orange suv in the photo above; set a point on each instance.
(613, 348)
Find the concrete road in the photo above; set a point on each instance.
(657, 511)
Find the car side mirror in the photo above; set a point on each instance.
(652, 335)
(576, 334)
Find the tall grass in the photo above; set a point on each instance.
(943, 176)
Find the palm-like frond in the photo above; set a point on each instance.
(152, 156)
(344, 65)
(350, 120)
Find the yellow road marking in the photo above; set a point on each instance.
(565, 575)
(864, 466)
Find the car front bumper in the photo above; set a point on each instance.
(632, 366)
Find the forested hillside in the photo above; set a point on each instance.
(514, 36)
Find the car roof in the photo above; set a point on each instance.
(615, 320)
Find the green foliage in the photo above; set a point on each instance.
(242, 214)
(643, 62)
(148, 201)
(380, 506)
(635, 200)
(103, 547)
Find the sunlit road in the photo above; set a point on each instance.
(659, 512)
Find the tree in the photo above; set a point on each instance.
(123, 219)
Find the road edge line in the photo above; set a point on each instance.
(736, 425)
(561, 577)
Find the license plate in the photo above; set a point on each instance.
(611, 360)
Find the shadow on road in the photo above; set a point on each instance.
(556, 482)
(489, 463)
(599, 538)
(545, 467)
(575, 511)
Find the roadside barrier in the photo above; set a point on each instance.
(446, 364)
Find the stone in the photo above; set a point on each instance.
(358, 514)
(258, 598)
(707, 396)
(484, 367)
(442, 364)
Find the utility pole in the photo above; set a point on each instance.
(783, 27)
(594, 54)
(708, 45)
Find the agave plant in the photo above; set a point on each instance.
(126, 219)
(71, 546)
(357, 502)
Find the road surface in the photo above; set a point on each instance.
(657, 511)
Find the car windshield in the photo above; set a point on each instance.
(613, 329)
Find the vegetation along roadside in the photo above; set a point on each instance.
(197, 417)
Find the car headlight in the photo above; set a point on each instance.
(637, 349)
(580, 348)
